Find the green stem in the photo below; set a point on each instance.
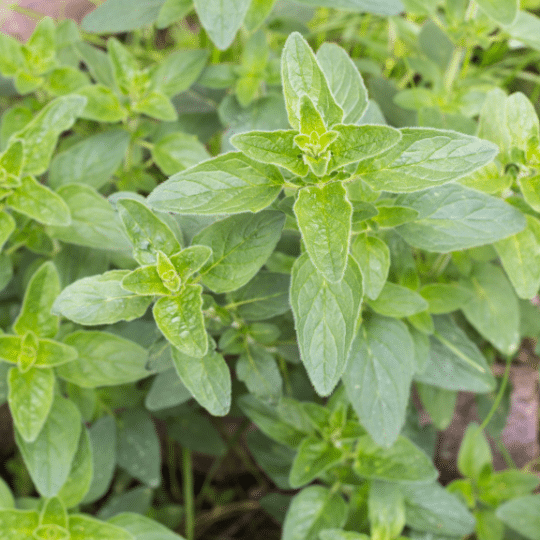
(171, 465)
(499, 396)
(189, 506)
(505, 453)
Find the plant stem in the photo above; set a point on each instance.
(189, 506)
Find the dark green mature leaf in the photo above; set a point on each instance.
(92, 161)
(444, 297)
(313, 458)
(386, 509)
(426, 157)
(301, 75)
(49, 457)
(502, 11)
(172, 11)
(42, 132)
(178, 151)
(493, 307)
(148, 234)
(275, 147)
(115, 16)
(522, 515)
(104, 360)
(474, 452)
(264, 297)
(230, 183)
(455, 363)
(397, 301)
(103, 441)
(100, 300)
(431, 508)
(258, 369)
(30, 399)
(167, 391)
(207, 378)
(181, 321)
(403, 462)
(344, 80)
(325, 317)
(221, 19)
(39, 203)
(453, 217)
(94, 223)
(138, 447)
(35, 314)
(378, 377)
(240, 245)
(314, 509)
(324, 216)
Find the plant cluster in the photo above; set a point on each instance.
(234, 224)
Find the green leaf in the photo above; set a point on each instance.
(102, 104)
(92, 161)
(167, 391)
(142, 527)
(147, 232)
(103, 441)
(39, 202)
(144, 281)
(313, 458)
(344, 80)
(453, 217)
(230, 183)
(138, 447)
(312, 510)
(18, 524)
(280, 427)
(378, 377)
(30, 400)
(274, 147)
(12, 160)
(94, 223)
(39, 51)
(41, 133)
(397, 301)
(493, 307)
(7, 226)
(190, 260)
(501, 486)
(97, 62)
(35, 314)
(338, 534)
(520, 257)
(207, 378)
(444, 297)
(455, 363)
(425, 157)
(80, 476)
(301, 75)
(325, 317)
(257, 13)
(100, 300)
(403, 462)
(385, 7)
(432, 509)
(104, 360)
(221, 19)
(82, 527)
(48, 458)
(373, 258)
(178, 151)
(324, 216)
(178, 71)
(65, 80)
(530, 189)
(240, 245)
(360, 142)
(11, 56)
(474, 453)
(502, 11)
(386, 510)
(523, 515)
(172, 11)
(264, 297)
(258, 369)
(393, 216)
(181, 321)
(439, 403)
(7, 500)
(156, 105)
(115, 16)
